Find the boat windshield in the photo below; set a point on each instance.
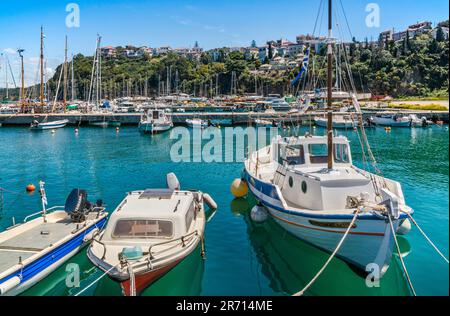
(318, 153)
(143, 229)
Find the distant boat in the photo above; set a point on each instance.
(197, 123)
(391, 120)
(419, 122)
(36, 126)
(155, 121)
(32, 250)
(264, 123)
(341, 121)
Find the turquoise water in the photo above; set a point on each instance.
(243, 258)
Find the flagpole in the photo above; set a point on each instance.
(43, 199)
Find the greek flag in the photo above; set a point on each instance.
(304, 67)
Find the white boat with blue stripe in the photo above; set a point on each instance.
(35, 248)
(44, 125)
(291, 179)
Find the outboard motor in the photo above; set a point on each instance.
(77, 205)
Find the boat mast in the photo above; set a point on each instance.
(65, 76)
(42, 68)
(22, 88)
(73, 83)
(329, 86)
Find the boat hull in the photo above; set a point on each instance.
(144, 280)
(336, 124)
(381, 121)
(370, 242)
(50, 260)
(152, 128)
(50, 125)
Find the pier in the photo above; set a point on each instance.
(237, 118)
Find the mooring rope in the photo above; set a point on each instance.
(426, 237)
(331, 257)
(95, 281)
(400, 256)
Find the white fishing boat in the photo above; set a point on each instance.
(155, 121)
(339, 122)
(391, 120)
(310, 187)
(150, 233)
(419, 122)
(45, 125)
(197, 123)
(317, 203)
(30, 251)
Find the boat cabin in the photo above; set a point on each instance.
(312, 152)
(152, 216)
(308, 183)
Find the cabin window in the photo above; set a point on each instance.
(318, 153)
(295, 155)
(143, 229)
(155, 115)
(341, 153)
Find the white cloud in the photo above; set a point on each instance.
(9, 51)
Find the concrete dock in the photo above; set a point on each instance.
(236, 118)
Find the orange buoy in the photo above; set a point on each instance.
(30, 188)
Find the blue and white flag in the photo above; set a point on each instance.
(304, 68)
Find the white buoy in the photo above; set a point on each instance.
(258, 214)
(404, 228)
(172, 182)
(209, 201)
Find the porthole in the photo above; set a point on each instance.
(304, 187)
(291, 182)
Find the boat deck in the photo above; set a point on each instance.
(32, 241)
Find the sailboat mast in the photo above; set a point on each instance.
(22, 88)
(65, 76)
(42, 68)
(72, 95)
(329, 86)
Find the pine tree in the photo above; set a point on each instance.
(440, 35)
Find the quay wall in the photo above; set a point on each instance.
(237, 118)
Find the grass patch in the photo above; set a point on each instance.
(426, 107)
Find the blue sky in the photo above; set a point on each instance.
(179, 23)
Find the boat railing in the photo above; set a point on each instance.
(182, 239)
(49, 210)
(95, 240)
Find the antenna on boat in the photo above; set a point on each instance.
(329, 86)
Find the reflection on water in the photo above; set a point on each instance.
(290, 263)
(183, 280)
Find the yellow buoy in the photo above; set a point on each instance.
(239, 188)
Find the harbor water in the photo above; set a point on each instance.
(242, 257)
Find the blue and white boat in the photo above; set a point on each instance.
(310, 187)
(40, 126)
(32, 250)
(291, 179)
